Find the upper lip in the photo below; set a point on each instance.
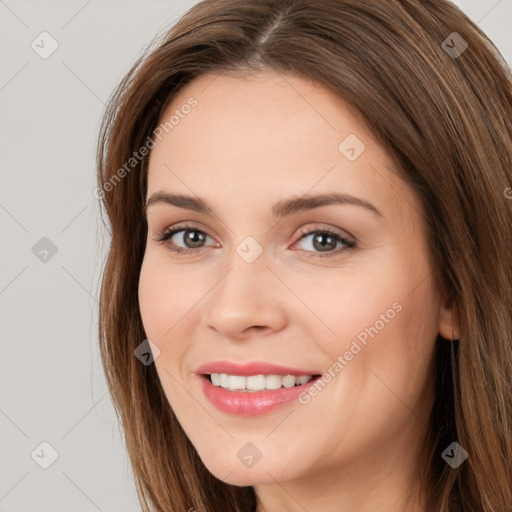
(251, 368)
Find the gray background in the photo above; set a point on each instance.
(52, 386)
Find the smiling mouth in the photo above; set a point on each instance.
(254, 383)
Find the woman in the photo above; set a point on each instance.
(307, 301)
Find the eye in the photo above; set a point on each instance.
(192, 238)
(323, 240)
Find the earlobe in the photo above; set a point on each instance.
(449, 325)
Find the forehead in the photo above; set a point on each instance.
(265, 136)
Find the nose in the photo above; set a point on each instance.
(245, 301)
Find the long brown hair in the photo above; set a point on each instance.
(443, 111)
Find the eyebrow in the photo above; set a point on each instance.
(282, 208)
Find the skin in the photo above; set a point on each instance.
(251, 141)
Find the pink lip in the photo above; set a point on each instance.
(251, 404)
(255, 403)
(253, 368)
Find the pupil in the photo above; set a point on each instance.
(323, 247)
(194, 237)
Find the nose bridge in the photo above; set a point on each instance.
(244, 281)
(247, 271)
(242, 298)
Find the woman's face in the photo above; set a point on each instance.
(260, 283)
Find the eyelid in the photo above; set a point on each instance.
(185, 225)
(342, 233)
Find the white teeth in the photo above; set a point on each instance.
(257, 382)
(289, 381)
(223, 380)
(304, 379)
(236, 382)
(273, 382)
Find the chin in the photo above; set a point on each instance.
(235, 473)
(245, 477)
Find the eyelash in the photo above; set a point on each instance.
(169, 233)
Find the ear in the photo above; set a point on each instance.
(449, 325)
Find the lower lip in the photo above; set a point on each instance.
(253, 403)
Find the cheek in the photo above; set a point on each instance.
(388, 351)
(342, 303)
(152, 300)
(166, 294)
(380, 319)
